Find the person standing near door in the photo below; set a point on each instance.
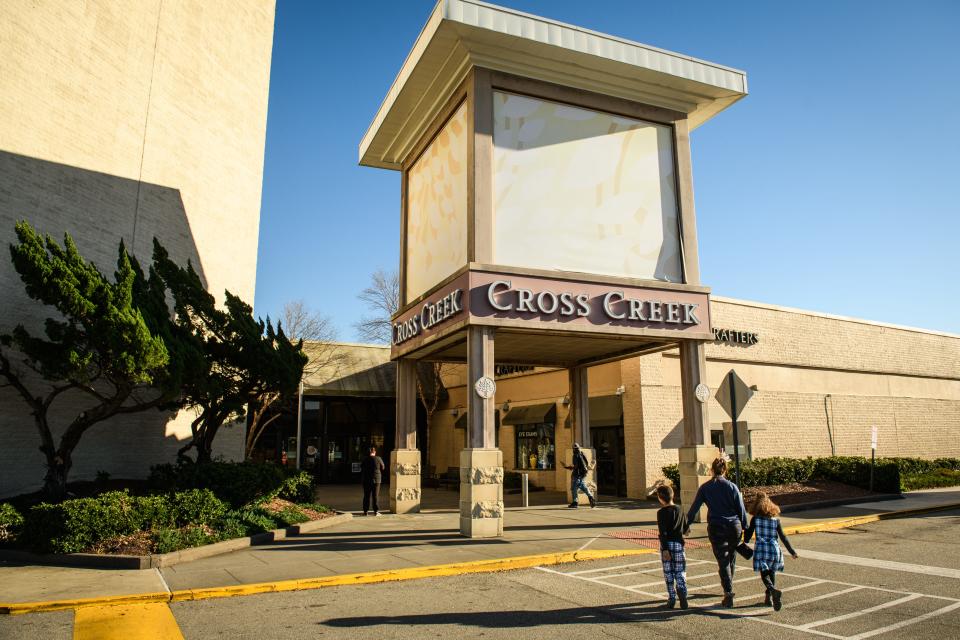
(371, 473)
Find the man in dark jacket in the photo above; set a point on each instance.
(371, 471)
(580, 468)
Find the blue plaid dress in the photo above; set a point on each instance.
(767, 555)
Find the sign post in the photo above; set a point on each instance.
(873, 452)
(733, 395)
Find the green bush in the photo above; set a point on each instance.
(890, 475)
(198, 506)
(943, 477)
(167, 540)
(238, 483)
(75, 525)
(11, 522)
(291, 515)
(297, 488)
(253, 520)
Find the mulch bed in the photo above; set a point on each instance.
(806, 492)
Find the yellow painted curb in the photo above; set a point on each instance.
(17, 608)
(409, 573)
(844, 523)
(395, 575)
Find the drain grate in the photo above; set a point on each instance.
(649, 538)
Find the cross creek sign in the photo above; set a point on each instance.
(525, 301)
(431, 314)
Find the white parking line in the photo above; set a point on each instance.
(621, 566)
(760, 615)
(908, 567)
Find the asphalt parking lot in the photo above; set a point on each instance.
(892, 579)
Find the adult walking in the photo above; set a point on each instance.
(726, 519)
(578, 483)
(371, 471)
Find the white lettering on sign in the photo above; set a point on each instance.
(616, 305)
(431, 314)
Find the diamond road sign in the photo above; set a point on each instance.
(741, 390)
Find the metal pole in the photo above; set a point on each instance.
(736, 437)
(525, 488)
(299, 420)
(873, 459)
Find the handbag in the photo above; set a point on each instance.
(744, 550)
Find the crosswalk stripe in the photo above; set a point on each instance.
(150, 621)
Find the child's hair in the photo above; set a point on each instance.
(764, 507)
(719, 467)
(665, 493)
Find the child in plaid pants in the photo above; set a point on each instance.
(672, 525)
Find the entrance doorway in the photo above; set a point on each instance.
(611, 460)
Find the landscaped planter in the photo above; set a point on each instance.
(157, 560)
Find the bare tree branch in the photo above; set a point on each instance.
(383, 300)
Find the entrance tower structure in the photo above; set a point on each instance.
(547, 219)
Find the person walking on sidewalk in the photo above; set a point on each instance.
(580, 468)
(371, 471)
(726, 519)
(767, 556)
(672, 525)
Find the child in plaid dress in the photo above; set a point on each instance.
(767, 556)
(672, 525)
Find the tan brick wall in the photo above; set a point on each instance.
(129, 120)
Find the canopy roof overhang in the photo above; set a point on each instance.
(460, 34)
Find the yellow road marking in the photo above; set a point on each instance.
(151, 621)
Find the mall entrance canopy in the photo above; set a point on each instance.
(546, 218)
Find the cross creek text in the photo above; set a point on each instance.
(615, 305)
(431, 314)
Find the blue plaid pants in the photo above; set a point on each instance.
(675, 570)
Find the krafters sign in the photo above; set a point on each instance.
(735, 337)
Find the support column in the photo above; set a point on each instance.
(405, 457)
(580, 410)
(697, 453)
(481, 464)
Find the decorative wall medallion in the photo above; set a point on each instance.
(485, 387)
(702, 392)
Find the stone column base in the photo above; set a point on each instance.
(695, 470)
(591, 480)
(405, 481)
(481, 493)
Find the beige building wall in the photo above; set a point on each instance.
(129, 121)
(822, 382)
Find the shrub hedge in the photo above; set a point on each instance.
(10, 522)
(238, 483)
(891, 475)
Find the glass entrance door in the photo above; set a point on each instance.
(611, 468)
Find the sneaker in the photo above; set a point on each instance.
(777, 604)
(377, 513)
(670, 604)
(364, 513)
(683, 600)
(766, 599)
(593, 504)
(572, 505)
(727, 602)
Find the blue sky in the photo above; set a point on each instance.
(834, 186)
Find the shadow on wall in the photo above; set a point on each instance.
(97, 210)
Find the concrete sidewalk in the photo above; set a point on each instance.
(395, 542)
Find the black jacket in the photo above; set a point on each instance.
(370, 470)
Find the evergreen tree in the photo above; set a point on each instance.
(108, 345)
(235, 359)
